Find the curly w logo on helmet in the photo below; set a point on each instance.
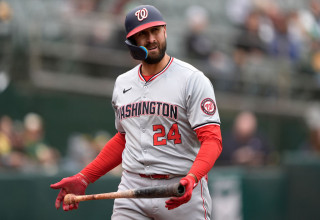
(141, 14)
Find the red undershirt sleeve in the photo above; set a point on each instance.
(109, 157)
(211, 147)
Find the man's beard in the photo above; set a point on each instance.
(157, 59)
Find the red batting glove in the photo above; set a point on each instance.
(76, 184)
(174, 202)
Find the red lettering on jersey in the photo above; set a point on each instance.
(173, 134)
(161, 134)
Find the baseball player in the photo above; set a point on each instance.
(168, 129)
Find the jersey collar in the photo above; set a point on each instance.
(155, 75)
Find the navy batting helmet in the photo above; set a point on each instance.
(138, 19)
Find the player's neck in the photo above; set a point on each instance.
(151, 69)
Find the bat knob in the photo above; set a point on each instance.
(181, 190)
(69, 199)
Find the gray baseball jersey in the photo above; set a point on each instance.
(160, 116)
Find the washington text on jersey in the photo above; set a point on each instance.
(147, 108)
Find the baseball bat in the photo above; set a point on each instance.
(171, 190)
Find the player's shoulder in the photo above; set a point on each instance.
(127, 76)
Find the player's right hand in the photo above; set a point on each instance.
(189, 183)
(76, 184)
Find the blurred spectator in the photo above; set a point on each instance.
(40, 153)
(33, 134)
(100, 36)
(309, 23)
(285, 48)
(238, 10)
(222, 71)
(312, 118)
(79, 7)
(310, 19)
(5, 44)
(119, 6)
(297, 32)
(249, 43)
(198, 44)
(309, 68)
(119, 33)
(11, 150)
(249, 53)
(5, 11)
(283, 44)
(5, 137)
(244, 145)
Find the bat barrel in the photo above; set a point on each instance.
(172, 190)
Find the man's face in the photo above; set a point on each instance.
(154, 39)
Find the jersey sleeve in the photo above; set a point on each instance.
(115, 108)
(211, 147)
(202, 108)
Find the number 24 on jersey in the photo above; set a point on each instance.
(160, 137)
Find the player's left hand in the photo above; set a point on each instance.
(174, 202)
(76, 184)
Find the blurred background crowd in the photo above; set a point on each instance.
(262, 56)
(23, 147)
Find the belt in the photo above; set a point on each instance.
(156, 176)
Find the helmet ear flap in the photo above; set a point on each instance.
(137, 52)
